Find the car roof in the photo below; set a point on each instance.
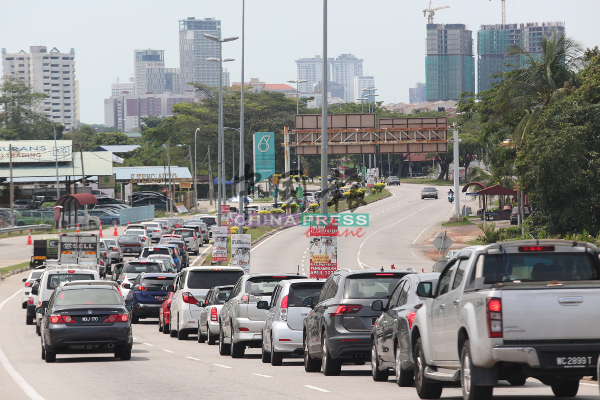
(215, 268)
(224, 287)
(375, 271)
(308, 280)
(156, 274)
(97, 283)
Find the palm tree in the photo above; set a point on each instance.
(540, 82)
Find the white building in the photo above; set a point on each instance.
(51, 73)
(311, 70)
(149, 71)
(343, 70)
(360, 84)
(194, 49)
(117, 88)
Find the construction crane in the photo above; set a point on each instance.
(432, 11)
(503, 12)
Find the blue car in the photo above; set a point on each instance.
(147, 294)
(110, 219)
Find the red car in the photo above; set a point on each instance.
(164, 314)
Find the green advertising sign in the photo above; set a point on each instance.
(264, 155)
(299, 192)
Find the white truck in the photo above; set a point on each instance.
(510, 311)
(81, 248)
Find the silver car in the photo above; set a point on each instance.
(116, 252)
(282, 330)
(241, 321)
(208, 323)
(155, 230)
(192, 241)
(201, 227)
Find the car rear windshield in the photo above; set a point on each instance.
(301, 291)
(55, 280)
(129, 238)
(429, 189)
(138, 267)
(209, 279)
(264, 285)
(185, 233)
(371, 286)
(209, 220)
(158, 281)
(88, 296)
(222, 296)
(151, 225)
(110, 242)
(538, 267)
(156, 250)
(136, 232)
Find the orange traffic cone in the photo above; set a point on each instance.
(29, 242)
(77, 228)
(115, 231)
(59, 231)
(100, 229)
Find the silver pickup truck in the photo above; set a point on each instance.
(510, 311)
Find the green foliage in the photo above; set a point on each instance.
(90, 139)
(379, 187)
(263, 212)
(491, 235)
(350, 194)
(277, 211)
(360, 193)
(293, 207)
(48, 204)
(314, 207)
(234, 230)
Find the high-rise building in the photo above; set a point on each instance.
(51, 73)
(226, 78)
(172, 80)
(194, 49)
(311, 70)
(449, 64)
(343, 70)
(149, 71)
(117, 88)
(417, 94)
(360, 84)
(493, 41)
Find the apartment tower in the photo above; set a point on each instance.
(194, 49)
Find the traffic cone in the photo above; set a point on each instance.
(115, 231)
(393, 266)
(29, 242)
(77, 228)
(59, 231)
(100, 229)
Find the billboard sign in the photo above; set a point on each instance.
(219, 235)
(323, 251)
(240, 251)
(106, 182)
(264, 155)
(36, 151)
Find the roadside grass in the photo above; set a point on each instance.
(5, 270)
(465, 221)
(427, 181)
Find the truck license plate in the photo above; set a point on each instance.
(580, 361)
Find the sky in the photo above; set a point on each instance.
(388, 35)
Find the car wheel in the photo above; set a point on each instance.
(566, 389)
(114, 221)
(469, 390)
(38, 330)
(172, 332)
(403, 378)
(426, 389)
(29, 321)
(520, 381)
(160, 326)
(197, 252)
(181, 334)
(224, 348)
(50, 356)
(125, 353)
(43, 352)
(166, 329)
(265, 356)
(310, 364)
(135, 319)
(422, 198)
(201, 338)
(276, 358)
(212, 339)
(24, 305)
(330, 366)
(237, 349)
(378, 374)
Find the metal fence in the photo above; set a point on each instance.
(136, 214)
(25, 228)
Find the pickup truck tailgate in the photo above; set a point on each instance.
(551, 314)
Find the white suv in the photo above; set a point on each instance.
(190, 288)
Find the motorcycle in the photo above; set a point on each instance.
(451, 198)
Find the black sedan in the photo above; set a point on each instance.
(85, 317)
(390, 336)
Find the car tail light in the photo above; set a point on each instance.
(384, 274)
(347, 309)
(114, 249)
(188, 298)
(142, 288)
(117, 318)
(494, 317)
(30, 300)
(243, 329)
(60, 319)
(213, 314)
(71, 271)
(536, 248)
(410, 317)
(245, 299)
(28, 284)
(284, 308)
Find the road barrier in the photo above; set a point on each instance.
(136, 214)
(24, 228)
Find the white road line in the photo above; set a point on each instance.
(414, 241)
(264, 376)
(168, 351)
(148, 344)
(192, 358)
(588, 384)
(316, 388)
(27, 389)
(222, 366)
(134, 338)
(269, 238)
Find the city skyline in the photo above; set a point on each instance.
(394, 54)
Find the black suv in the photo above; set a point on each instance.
(338, 329)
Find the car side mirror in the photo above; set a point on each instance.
(40, 310)
(34, 291)
(127, 286)
(262, 305)
(24, 279)
(308, 302)
(170, 288)
(377, 305)
(425, 289)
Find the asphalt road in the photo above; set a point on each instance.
(163, 367)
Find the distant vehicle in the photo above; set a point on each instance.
(116, 252)
(200, 228)
(76, 248)
(132, 269)
(22, 204)
(132, 243)
(164, 314)
(192, 241)
(110, 219)
(208, 324)
(170, 251)
(393, 180)
(155, 229)
(514, 219)
(31, 217)
(29, 281)
(429, 192)
(44, 249)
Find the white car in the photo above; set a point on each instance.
(208, 326)
(190, 288)
(29, 281)
(154, 228)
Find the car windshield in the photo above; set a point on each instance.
(538, 267)
(88, 296)
(211, 278)
(136, 232)
(55, 280)
(371, 286)
(429, 189)
(142, 266)
(157, 281)
(158, 250)
(264, 285)
(152, 225)
(111, 242)
(36, 274)
(301, 291)
(129, 238)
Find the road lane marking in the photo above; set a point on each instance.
(148, 344)
(316, 388)
(588, 384)
(419, 235)
(222, 366)
(27, 389)
(192, 358)
(168, 351)
(264, 376)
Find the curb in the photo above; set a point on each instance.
(14, 272)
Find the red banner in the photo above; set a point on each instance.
(323, 251)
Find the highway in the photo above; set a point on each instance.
(163, 367)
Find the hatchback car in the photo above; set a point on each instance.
(393, 180)
(208, 326)
(241, 320)
(429, 193)
(164, 314)
(282, 330)
(132, 269)
(155, 230)
(338, 329)
(147, 293)
(170, 251)
(201, 228)
(85, 317)
(192, 241)
(391, 334)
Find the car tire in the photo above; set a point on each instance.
(520, 381)
(182, 335)
(237, 349)
(212, 339)
(50, 356)
(310, 364)
(403, 378)
(135, 319)
(566, 388)
(469, 390)
(114, 221)
(24, 305)
(166, 329)
(43, 352)
(160, 326)
(376, 372)
(125, 354)
(422, 198)
(265, 356)
(38, 330)
(172, 332)
(201, 338)
(330, 366)
(224, 348)
(426, 389)
(197, 252)
(29, 321)
(276, 358)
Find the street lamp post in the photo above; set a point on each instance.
(370, 95)
(297, 82)
(196, 170)
(233, 155)
(242, 178)
(220, 60)
(324, 134)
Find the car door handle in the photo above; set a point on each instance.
(457, 302)
(442, 305)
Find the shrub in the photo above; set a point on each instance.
(304, 177)
(360, 193)
(277, 211)
(263, 212)
(293, 206)
(48, 204)
(234, 230)
(379, 187)
(314, 207)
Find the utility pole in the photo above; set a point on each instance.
(324, 134)
(170, 187)
(12, 188)
(456, 175)
(83, 181)
(193, 176)
(211, 188)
